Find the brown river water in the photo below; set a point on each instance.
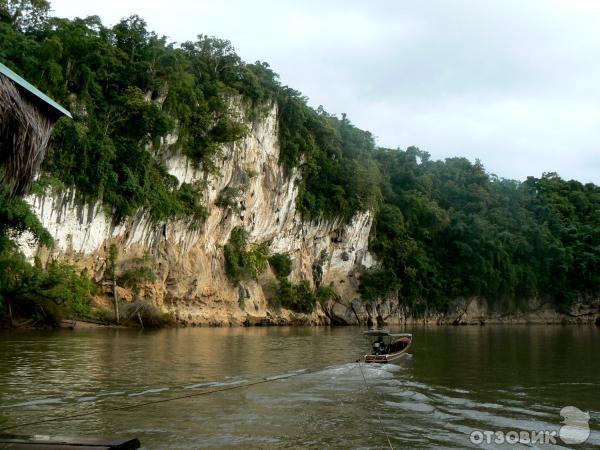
(454, 381)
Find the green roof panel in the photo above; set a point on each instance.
(35, 92)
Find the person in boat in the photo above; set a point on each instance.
(378, 346)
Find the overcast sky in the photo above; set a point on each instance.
(515, 83)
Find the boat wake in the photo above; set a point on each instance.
(349, 372)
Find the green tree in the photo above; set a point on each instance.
(243, 260)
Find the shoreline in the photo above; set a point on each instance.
(84, 325)
(462, 312)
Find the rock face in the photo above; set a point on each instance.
(188, 258)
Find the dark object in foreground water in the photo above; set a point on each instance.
(12, 441)
(388, 347)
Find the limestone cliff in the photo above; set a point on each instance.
(187, 257)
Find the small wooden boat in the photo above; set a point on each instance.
(387, 346)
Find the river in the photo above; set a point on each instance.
(455, 380)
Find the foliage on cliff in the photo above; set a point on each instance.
(16, 218)
(130, 91)
(45, 294)
(339, 176)
(244, 260)
(281, 265)
(300, 297)
(297, 297)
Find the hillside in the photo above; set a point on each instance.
(203, 186)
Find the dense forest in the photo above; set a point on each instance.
(448, 229)
(442, 229)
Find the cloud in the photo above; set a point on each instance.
(512, 83)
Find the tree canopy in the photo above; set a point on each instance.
(447, 229)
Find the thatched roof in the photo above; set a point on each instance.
(27, 117)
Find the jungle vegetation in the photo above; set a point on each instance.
(43, 294)
(442, 229)
(447, 229)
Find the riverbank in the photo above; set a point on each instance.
(478, 311)
(474, 311)
(66, 324)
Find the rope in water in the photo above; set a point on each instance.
(378, 415)
(153, 402)
(180, 397)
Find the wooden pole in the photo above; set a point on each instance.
(113, 254)
(115, 295)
